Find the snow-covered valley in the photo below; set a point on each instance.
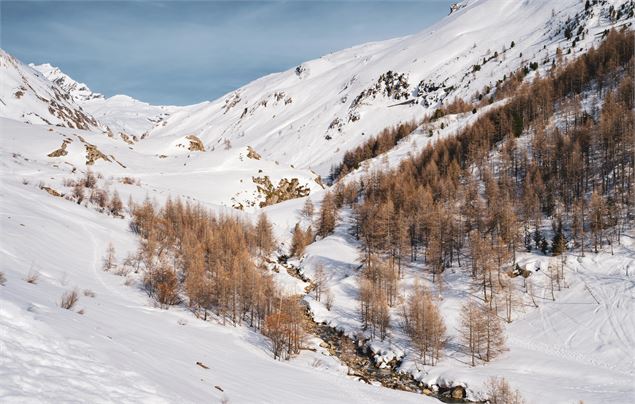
(268, 147)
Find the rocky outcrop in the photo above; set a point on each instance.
(195, 143)
(286, 189)
(93, 154)
(390, 84)
(62, 150)
(51, 191)
(126, 138)
(252, 154)
(458, 393)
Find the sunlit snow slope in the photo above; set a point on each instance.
(311, 114)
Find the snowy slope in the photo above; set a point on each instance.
(576, 348)
(121, 349)
(122, 114)
(310, 115)
(27, 96)
(79, 91)
(220, 177)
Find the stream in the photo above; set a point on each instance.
(358, 357)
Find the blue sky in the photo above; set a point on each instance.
(183, 52)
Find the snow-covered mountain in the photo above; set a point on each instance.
(120, 113)
(79, 91)
(311, 114)
(27, 96)
(253, 147)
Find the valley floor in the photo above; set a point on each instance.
(122, 349)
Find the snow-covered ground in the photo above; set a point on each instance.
(123, 349)
(168, 168)
(571, 349)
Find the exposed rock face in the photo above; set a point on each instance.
(252, 154)
(126, 138)
(93, 154)
(231, 101)
(286, 189)
(49, 103)
(390, 84)
(195, 143)
(62, 150)
(456, 6)
(51, 191)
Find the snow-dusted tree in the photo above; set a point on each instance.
(99, 197)
(510, 297)
(330, 299)
(577, 224)
(300, 240)
(424, 324)
(307, 210)
(319, 281)
(284, 328)
(470, 329)
(500, 392)
(90, 180)
(264, 236)
(553, 277)
(328, 215)
(115, 205)
(110, 258)
(597, 215)
(163, 285)
(481, 332)
(78, 192)
(198, 287)
(530, 290)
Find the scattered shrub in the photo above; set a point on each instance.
(69, 299)
(499, 392)
(32, 277)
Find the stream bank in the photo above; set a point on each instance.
(356, 354)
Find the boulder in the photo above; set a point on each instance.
(458, 392)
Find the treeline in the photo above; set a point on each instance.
(458, 204)
(215, 263)
(373, 147)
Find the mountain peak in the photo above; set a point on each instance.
(79, 91)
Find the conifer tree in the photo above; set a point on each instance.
(328, 215)
(264, 236)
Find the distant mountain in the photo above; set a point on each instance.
(79, 91)
(310, 115)
(122, 114)
(28, 96)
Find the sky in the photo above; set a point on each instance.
(184, 52)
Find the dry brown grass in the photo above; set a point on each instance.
(69, 299)
(32, 277)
